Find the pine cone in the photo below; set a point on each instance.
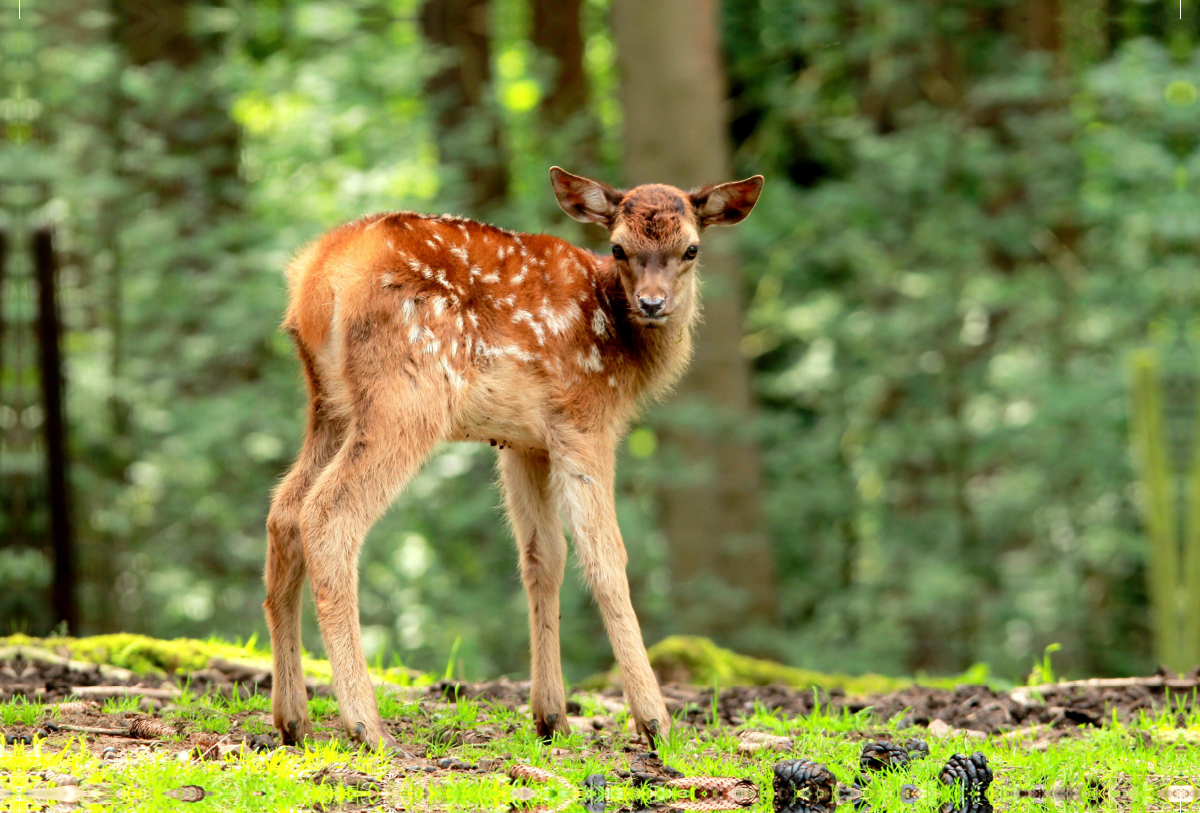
(878, 756)
(917, 749)
(207, 747)
(802, 780)
(972, 772)
(148, 729)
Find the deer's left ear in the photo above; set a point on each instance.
(582, 198)
(726, 203)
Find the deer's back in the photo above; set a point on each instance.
(501, 318)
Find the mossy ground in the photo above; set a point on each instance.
(1119, 766)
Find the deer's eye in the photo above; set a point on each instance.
(691, 252)
(618, 252)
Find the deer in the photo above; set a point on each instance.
(412, 330)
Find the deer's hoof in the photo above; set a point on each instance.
(547, 724)
(294, 732)
(653, 732)
(376, 739)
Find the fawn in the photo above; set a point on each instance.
(413, 330)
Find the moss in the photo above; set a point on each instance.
(696, 660)
(700, 662)
(145, 655)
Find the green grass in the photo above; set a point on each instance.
(21, 712)
(1138, 758)
(1112, 755)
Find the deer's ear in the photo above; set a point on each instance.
(585, 200)
(726, 203)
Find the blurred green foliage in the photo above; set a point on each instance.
(960, 239)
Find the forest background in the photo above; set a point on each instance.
(905, 443)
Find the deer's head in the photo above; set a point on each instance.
(655, 232)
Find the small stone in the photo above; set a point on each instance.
(764, 742)
(939, 728)
(62, 780)
(109, 753)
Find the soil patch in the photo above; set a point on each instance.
(1063, 707)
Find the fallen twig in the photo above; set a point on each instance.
(88, 729)
(1022, 694)
(126, 691)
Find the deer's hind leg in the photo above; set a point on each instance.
(397, 423)
(543, 552)
(285, 563)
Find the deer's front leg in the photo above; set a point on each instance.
(543, 552)
(582, 480)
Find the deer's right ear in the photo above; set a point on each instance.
(585, 200)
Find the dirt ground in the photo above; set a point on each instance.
(1062, 708)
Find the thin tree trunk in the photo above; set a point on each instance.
(673, 94)
(468, 134)
(558, 32)
(62, 543)
(569, 132)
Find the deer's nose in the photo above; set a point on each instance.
(651, 307)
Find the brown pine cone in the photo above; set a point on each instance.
(148, 729)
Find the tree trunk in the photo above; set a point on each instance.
(468, 134)
(568, 130)
(558, 33)
(673, 94)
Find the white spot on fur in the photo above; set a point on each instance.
(438, 304)
(460, 253)
(599, 323)
(431, 244)
(591, 362)
(612, 382)
(458, 322)
(420, 268)
(525, 316)
(559, 322)
(408, 310)
(473, 317)
(414, 333)
(519, 278)
(492, 277)
(475, 271)
(453, 376)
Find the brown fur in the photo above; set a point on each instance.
(414, 330)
